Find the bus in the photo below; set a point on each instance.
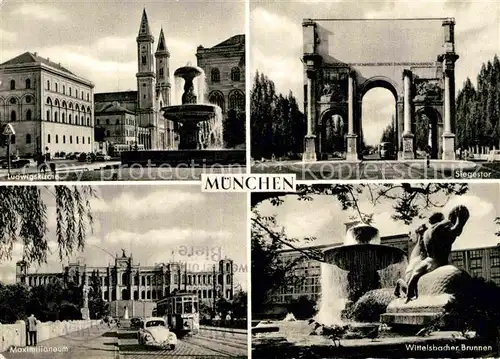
(181, 312)
(386, 151)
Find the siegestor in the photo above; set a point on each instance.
(248, 182)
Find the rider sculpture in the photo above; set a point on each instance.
(433, 242)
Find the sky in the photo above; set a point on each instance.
(157, 224)
(276, 41)
(96, 39)
(324, 219)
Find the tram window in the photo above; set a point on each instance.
(195, 304)
(178, 307)
(188, 307)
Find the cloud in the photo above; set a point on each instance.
(478, 207)
(162, 201)
(41, 12)
(7, 36)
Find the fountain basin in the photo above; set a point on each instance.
(188, 72)
(364, 257)
(190, 112)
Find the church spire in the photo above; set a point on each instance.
(162, 46)
(144, 29)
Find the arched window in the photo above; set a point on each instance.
(28, 139)
(124, 279)
(237, 101)
(48, 116)
(64, 138)
(48, 84)
(13, 116)
(28, 83)
(88, 121)
(235, 74)
(161, 73)
(215, 75)
(57, 139)
(63, 119)
(55, 116)
(217, 98)
(28, 115)
(81, 120)
(12, 84)
(69, 119)
(48, 138)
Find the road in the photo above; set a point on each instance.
(376, 170)
(198, 346)
(95, 343)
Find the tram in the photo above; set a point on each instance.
(181, 312)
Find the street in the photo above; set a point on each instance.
(95, 343)
(106, 343)
(381, 169)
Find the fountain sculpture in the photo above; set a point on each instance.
(199, 125)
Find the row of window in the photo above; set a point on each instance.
(235, 74)
(77, 139)
(78, 121)
(56, 89)
(69, 106)
(27, 85)
(153, 294)
(128, 121)
(154, 280)
(236, 100)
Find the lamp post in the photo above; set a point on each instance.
(8, 132)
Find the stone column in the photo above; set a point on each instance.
(352, 138)
(309, 154)
(407, 152)
(448, 136)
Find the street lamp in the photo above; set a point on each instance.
(8, 131)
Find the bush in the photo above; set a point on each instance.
(302, 308)
(371, 305)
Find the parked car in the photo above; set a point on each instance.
(86, 157)
(154, 332)
(493, 156)
(101, 157)
(16, 163)
(135, 323)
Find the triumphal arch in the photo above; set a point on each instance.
(413, 58)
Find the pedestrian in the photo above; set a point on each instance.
(32, 329)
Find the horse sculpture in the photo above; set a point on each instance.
(432, 249)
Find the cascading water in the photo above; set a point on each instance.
(390, 274)
(177, 95)
(333, 295)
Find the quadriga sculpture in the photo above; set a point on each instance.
(434, 240)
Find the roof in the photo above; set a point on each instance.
(113, 108)
(162, 46)
(144, 28)
(33, 58)
(120, 96)
(237, 40)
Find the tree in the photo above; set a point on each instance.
(234, 128)
(410, 201)
(97, 306)
(277, 124)
(239, 304)
(23, 219)
(388, 134)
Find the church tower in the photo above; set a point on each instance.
(146, 101)
(162, 56)
(163, 86)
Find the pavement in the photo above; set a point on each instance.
(93, 343)
(381, 169)
(203, 345)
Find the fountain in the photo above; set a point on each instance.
(199, 126)
(358, 279)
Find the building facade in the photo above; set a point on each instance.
(134, 117)
(50, 108)
(478, 262)
(224, 66)
(129, 281)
